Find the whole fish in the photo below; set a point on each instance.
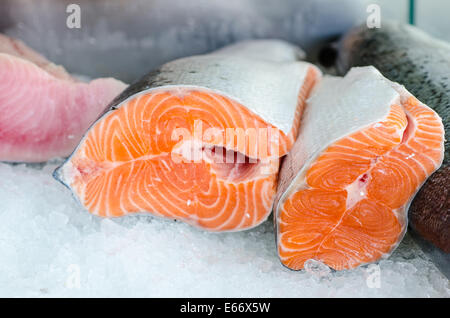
(421, 63)
(198, 140)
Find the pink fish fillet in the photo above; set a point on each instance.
(43, 110)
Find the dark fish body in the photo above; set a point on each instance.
(421, 63)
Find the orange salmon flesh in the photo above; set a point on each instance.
(130, 162)
(352, 208)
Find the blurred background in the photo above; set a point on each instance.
(127, 38)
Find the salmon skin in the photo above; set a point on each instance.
(364, 148)
(406, 54)
(197, 140)
(43, 110)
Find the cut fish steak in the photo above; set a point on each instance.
(406, 54)
(365, 147)
(198, 140)
(44, 112)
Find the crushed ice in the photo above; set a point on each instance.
(316, 268)
(50, 247)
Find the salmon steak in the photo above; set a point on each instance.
(365, 147)
(44, 111)
(197, 140)
(406, 54)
